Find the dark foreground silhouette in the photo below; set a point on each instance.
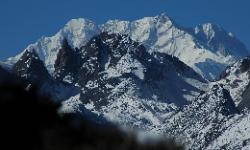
(29, 121)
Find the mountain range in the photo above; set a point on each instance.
(150, 74)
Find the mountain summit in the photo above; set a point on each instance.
(208, 49)
(202, 47)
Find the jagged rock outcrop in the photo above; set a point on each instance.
(31, 68)
(67, 63)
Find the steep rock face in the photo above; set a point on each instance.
(236, 78)
(245, 103)
(235, 135)
(109, 57)
(30, 68)
(67, 62)
(201, 122)
(222, 122)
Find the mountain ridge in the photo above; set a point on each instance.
(166, 37)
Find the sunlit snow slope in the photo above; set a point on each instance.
(207, 48)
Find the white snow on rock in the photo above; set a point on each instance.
(161, 34)
(158, 33)
(77, 31)
(236, 79)
(71, 105)
(235, 136)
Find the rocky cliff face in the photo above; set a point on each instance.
(67, 62)
(31, 68)
(236, 79)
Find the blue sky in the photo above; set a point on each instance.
(24, 21)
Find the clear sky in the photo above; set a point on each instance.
(24, 21)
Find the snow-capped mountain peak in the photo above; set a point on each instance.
(219, 40)
(205, 46)
(79, 31)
